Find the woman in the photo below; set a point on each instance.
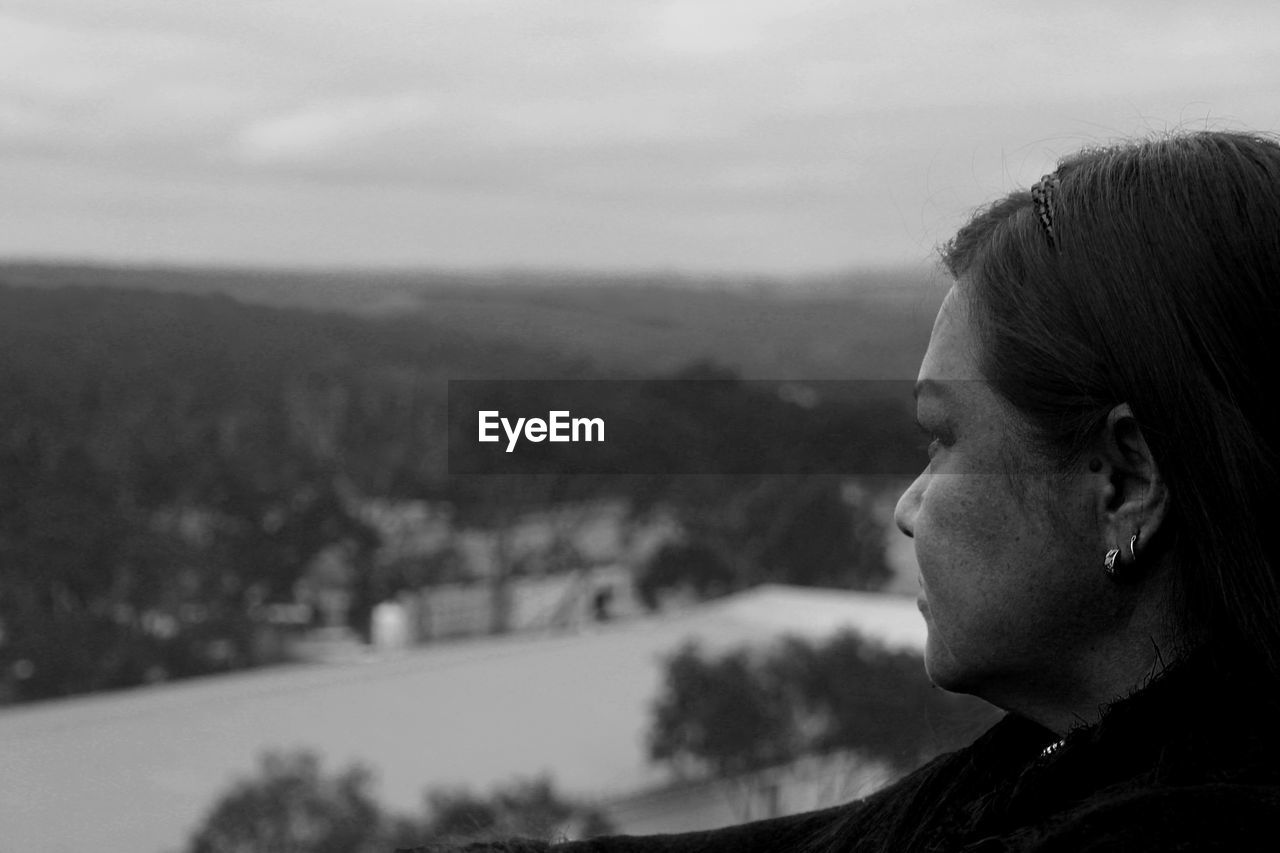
(1093, 524)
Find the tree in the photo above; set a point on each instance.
(529, 808)
(292, 806)
(853, 694)
(741, 530)
(726, 718)
(677, 565)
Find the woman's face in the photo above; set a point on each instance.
(1008, 587)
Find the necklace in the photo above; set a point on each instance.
(1052, 748)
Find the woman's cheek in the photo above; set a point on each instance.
(931, 531)
(953, 538)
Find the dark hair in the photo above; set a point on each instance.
(1160, 289)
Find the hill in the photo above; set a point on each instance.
(863, 325)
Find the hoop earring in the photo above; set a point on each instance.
(1109, 562)
(1133, 554)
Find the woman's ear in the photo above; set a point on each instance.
(1131, 496)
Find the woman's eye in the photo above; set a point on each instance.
(930, 444)
(933, 442)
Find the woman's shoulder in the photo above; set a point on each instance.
(792, 832)
(762, 836)
(871, 815)
(510, 845)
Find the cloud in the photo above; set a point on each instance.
(122, 96)
(705, 28)
(333, 128)
(657, 126)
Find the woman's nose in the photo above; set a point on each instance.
(904, 514)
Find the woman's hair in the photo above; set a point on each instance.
(1157, 284)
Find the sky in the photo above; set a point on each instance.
(703, 136)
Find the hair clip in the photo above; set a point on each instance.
(1042, 196)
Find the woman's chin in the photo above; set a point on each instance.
(940, 666)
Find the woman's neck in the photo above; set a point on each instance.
(1113, 679)
(1113, 668)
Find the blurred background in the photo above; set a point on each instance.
(243, 248)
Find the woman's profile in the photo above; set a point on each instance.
(1094, 526)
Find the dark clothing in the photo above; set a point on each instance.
(1190, 763)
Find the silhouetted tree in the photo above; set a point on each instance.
(528, 808)
(292, 806)
(742, 711)
(855, 694)
(741, 531)
(694, 566)
(722, 716)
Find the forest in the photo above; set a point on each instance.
(170, 461)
